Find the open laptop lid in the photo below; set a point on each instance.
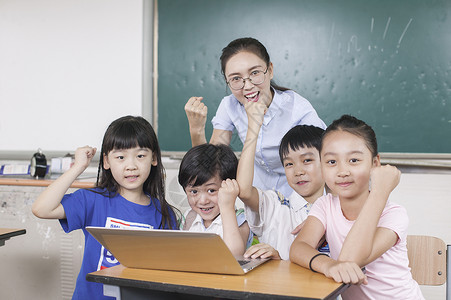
(170, 250)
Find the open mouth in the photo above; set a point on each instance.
(252, 97)
(131, 177)
(302, 182)
(206, 209)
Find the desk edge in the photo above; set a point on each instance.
(169, 287)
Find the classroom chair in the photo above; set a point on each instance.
(429, 260)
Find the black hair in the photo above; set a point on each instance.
(249, 45)
(356, 127)
(126, 133)
(300, 136)
(203, 162)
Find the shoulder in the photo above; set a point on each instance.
(394, 217)
(327, 200)
(293, 97)
(87, 194)
(272, 198)
(229, 102)
(325, 205)
(298, 108)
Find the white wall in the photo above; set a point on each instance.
(67, 69)
(427, 198)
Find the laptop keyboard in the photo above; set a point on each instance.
(243, 262)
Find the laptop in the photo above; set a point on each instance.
(172, 250)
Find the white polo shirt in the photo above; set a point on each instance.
(216, 225)
(277, 217)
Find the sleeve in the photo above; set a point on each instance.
(394, 217)
(78, 210)
(241, 219)
(318, 210)
(268, 206)
(222, 119)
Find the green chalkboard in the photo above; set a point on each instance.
(387, 62)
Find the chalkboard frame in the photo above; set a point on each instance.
(384, 28)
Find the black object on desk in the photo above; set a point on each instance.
(7, 233)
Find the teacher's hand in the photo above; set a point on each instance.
(196, 112)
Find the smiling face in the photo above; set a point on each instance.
(203, 199)
(242, 65)
(346, 165)
(303, 172)
(130, 168)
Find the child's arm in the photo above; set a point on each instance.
(365, 241)
(303, 253)
(245, 174)
(48, 205)
(235, 237)
(262, 250)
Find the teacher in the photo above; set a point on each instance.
(248, 71)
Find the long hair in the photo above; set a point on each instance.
(126, 133)
(248, 45)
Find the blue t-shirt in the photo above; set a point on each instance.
(94, 208)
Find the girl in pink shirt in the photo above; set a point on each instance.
(362, 228)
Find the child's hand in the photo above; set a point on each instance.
(385, 178)
(263, 251)
(227, 194)
(83, 157)
(346, 272)
(196, 112)
(265, 98)
(255, 112)
(298, 228)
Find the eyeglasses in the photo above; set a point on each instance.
(256, 77)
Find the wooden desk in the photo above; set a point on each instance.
(6, 180)
(273, 280)
(6, 233)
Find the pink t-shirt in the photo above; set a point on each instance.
(389, 275)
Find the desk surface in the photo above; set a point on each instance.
(273, 280)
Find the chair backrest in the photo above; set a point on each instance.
(427, 259)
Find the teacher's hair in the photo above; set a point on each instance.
(248, 45)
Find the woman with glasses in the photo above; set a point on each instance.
(248, 72)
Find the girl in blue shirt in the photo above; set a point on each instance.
(129, 193)
(248, 72)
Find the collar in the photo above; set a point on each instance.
(199, 219)
(273, 108)
(297, 202)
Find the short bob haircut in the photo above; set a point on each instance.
(203, 162)
(300, 136)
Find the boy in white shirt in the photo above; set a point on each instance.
(207, 174)
(271, 216)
